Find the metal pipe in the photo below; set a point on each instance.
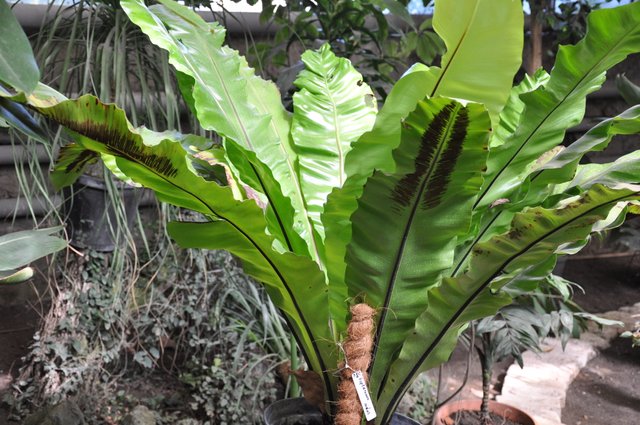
(33, 16)
(10, 154)
(19, 207)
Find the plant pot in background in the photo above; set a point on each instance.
(296, 411)
(446, 414)
(91, 214)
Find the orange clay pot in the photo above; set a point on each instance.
(446, 414)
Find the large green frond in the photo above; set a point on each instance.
(535, 235)
(160, 162)
(420, 209)
(333, 108)
(227, 96)
(480, 34)
(612, 34)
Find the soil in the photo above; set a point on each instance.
(607, 390)
(473, 418)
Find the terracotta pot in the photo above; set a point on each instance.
(446, 414)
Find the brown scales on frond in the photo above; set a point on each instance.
(357, 349)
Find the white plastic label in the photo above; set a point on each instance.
(363, 395)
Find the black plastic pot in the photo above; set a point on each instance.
(296, 411)
(90, 213)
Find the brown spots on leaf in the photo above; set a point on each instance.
(111, 131)
(81, 160)
(408, 186)
(441, 146)
(516, 233)
(439, 182)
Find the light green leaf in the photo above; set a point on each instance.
(511, 115)
(612, 34)
(559, 173)
(556, 175)
(21, 248)
(18, 67)
(484, 41)
(12, 277)
(227, 97)
(331, 111)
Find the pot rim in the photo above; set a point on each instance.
(505, 410)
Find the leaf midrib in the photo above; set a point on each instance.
(454, 55)
(407, 230)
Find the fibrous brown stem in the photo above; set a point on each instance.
(357, 350)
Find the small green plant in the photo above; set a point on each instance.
(429, 211)
(379, 36)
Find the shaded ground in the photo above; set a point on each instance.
(17, 327)
(607, 391)
(609, 283)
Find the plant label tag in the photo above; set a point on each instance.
(363, 395)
